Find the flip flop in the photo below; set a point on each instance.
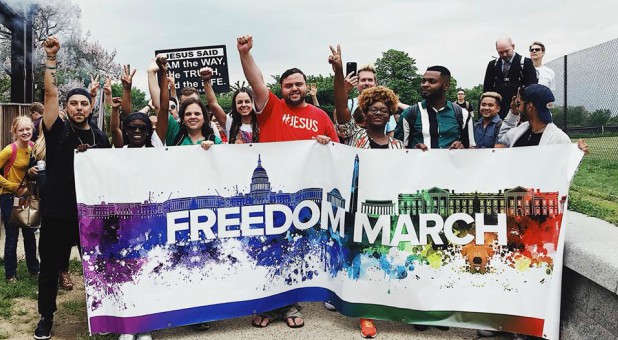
(294, 323)
(261, 323)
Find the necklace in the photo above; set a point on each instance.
(81, 142)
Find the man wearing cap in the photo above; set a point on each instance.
(532, 107)
(59, 227)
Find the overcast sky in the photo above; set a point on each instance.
(457, 34)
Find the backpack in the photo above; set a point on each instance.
(9, 164)
(411, 118)
(498, 71)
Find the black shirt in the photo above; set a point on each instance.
(61, 141)
(529, 138)
(374, 145)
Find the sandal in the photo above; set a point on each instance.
(261, 323)
(368, 328)
(64, 280)
(295, 323)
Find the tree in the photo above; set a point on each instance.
(326, 94)
(474, 94)
(138, 97)
(78, 58)
(598, 118)
(397, 71)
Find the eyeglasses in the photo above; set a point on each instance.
(536, 49)
(136, 127)
(376, 111)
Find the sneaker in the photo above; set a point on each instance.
(486, 333)
(11, 280)
(64, 281)
(368, 329)
(143, 336)
(421, 328)
(43, 329)
(126, 337)
(329, 306)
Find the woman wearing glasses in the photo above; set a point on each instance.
(378, 104)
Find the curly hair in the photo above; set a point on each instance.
(376, 94)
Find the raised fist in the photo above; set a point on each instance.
(206, 73)
(162, 63)
(116, 102)
(51, 46)
(153, 67)
(244, 43)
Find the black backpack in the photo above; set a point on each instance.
(411, 118)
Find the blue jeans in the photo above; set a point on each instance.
(12, 236)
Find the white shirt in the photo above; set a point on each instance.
(546, 77)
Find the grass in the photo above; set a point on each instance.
(594, 190)
(26, 286)
(73, 307)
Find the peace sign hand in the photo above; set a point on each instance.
(335, 59)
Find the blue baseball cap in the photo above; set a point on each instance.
(542, 98)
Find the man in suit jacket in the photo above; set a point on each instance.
(507, 73)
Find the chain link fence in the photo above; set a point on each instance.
(586, 94)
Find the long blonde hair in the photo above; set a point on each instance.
(20, 120)
(39, 148)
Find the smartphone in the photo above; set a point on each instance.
(351, 67)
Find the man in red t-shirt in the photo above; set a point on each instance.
(290, 118)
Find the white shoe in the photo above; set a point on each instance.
(486, 333)
(126, 337)
(143, 336)
(329, 306)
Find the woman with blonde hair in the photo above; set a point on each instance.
(15, 159)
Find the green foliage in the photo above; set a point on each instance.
(598, 118)
(473, 95)
(325, 95)
(397, 71)
(138, 97)
(5, 89)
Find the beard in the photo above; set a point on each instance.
(291, 102)
(524, 115)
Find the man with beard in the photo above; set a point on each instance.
(435, 123)
(290, 118)
(287, 119)
(59, 227)
(507, 73)
(532, 106)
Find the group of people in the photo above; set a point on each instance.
(513, 111)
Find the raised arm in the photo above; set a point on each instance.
(313, 91)
(52, 108)
(127, 84)
(164, 99)
(211, 99)
(153, 85)
(341, 96)
(94, 89)
(171, 80)
(252, 72)
(114, 123)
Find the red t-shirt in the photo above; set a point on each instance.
(279, 122)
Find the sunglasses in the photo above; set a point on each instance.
(136, 127)
(536, 49)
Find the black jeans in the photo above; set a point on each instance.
(57, 237)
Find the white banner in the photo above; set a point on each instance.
(460, 238)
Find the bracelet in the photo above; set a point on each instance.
(50, 67)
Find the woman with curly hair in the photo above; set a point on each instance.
(241, 125)
(377, 103)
